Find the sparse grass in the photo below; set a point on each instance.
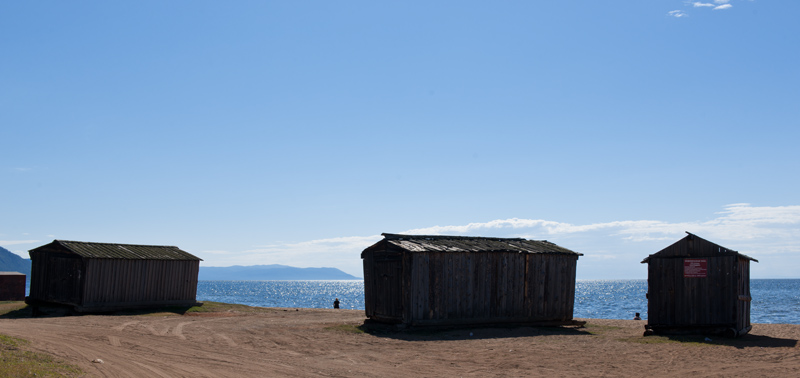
(16, 309)
(160, 311)
(16, 361)
(209, 306)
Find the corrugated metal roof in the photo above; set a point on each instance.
(439, 243)
(125, 251)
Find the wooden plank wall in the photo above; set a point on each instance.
(112, 282)
(383, 286)
(56, 278)
(743, 304)
(12, 287)
(675, 300)
(550, 287)
(369, 285)
(490, 287)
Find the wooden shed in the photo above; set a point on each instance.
(95, 277)
(696, 286)
(12, 286)
(450, 280)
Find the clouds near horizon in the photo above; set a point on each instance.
(611, 249)
(16, 242)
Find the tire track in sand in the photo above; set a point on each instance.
(227, 339)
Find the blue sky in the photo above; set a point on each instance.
(296, 132)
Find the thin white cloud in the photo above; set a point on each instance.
(715, 5)
(736, 222)
(332, 244)
(615, 247)
(217, 252)
(754, 230)
(677, 13)
(16, 242)
(342, 252)
(595, 256)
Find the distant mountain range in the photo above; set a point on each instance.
(271, 272)
(11, 262)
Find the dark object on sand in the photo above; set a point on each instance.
(336, 303)
(454, 280)
(98, 277)
(698, 287)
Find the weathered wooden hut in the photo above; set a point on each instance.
(12, 286)
(450, 280)
(94, 277)
(696, 286)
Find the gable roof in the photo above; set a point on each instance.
(443, 243)
(708, 249)
(117, 251)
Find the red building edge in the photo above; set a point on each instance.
(12, 286)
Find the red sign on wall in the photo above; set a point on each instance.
(695, 268)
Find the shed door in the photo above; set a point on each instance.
(388, 284)
(63, 280)
(743, 291)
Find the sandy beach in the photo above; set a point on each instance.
(281, 342)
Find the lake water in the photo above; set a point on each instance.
(774, 301)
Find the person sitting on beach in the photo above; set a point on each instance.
(336, 303)
(637, 317)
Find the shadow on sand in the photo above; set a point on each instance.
(17, 310)
(751, 341)
(746, 341)
(438, 333)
